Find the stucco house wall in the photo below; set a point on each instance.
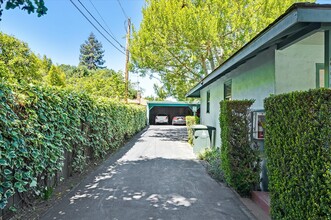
(295, 66)
(270, 72)
(255, 79)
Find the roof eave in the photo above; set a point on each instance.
(296, 14)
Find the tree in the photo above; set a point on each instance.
(183, 41)
(56, 77)
(160, 92)
(17, 61)
(91, 53)
(27, 5)
(45, 65)
(101, 82)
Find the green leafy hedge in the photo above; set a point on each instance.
(191, 120)
(37, 124)
(239, 159)
(298, 137)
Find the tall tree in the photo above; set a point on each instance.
(27, 5)
(183, 41)
(91, 53)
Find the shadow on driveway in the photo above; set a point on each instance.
(150, 189)
(154, 176)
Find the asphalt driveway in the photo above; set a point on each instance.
(155, 176)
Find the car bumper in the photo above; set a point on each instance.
(161, 121)
(179, 122)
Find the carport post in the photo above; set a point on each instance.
(147, 113)
(194, 109)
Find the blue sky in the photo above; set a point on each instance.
(59, 34)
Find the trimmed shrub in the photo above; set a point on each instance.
(240, 162)
(191, 120)
(298, 137)
(37, 124)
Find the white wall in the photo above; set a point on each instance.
(252, 80)
(296, 65)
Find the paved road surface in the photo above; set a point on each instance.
(155, 176)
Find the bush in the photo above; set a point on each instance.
(191, 120)
(298, 137)
(239, 159)
(213, 158)
(37, 124)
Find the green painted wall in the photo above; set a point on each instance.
(257, 81)
(296, 65)
(252, 80)
(271, 72)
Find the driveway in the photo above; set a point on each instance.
(155, 176)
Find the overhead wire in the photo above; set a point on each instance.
(122, 9)
(96, 27)
(101, 17)
(100, 24)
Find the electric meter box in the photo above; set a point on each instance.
(258, 125)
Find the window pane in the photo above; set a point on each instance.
(228, 90)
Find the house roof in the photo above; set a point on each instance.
(152, 104)
(298, 22)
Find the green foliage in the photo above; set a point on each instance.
(27, 5)
(56, 77)
(183, 41)
(213, 158)
(47, 193)
(91, 53)
(298, 137)
(37, 124)
(239, 159)
(17, 62)
(102, 82)
(190, 121)
(160, 92)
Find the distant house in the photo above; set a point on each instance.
(293, 53)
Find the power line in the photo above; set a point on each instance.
(122, 9)
(101, 17)
(100, 24)
(96, 28)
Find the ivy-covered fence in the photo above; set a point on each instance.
(39, 125)
(298, 138)
(240, 162)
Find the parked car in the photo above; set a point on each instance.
(178, 120)
(161, 119)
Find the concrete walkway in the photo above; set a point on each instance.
(155, 176)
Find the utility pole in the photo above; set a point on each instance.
(127, 61)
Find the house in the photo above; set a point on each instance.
(291, 54)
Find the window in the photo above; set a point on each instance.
(228, 90)
(321, 77)
(208, 102)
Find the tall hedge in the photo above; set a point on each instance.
(298, 137)
(239, 159)
(37, 124)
